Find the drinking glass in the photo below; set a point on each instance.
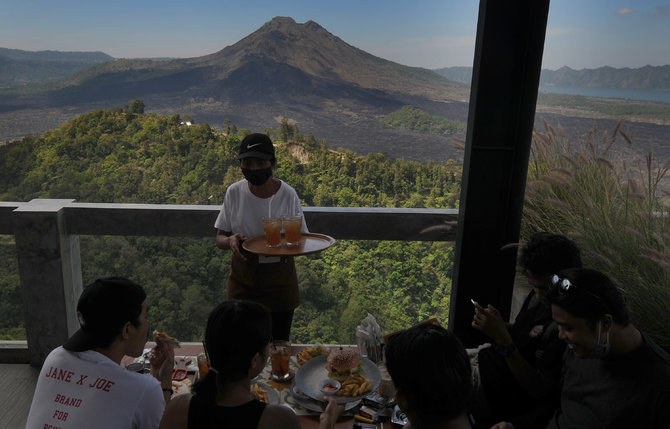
(272, 227)
(280, 356)
(203, 365)
(292, 229)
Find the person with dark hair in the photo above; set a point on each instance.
(517, 377)
(430, 370)
(614, 375)
(237, 342)
(272, 281)
(82, 384)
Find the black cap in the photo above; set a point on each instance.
(103, 308)
(257, 145)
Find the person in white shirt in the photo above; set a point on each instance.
(82, 383)
(271, 281)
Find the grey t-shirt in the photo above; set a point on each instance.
(627, 391)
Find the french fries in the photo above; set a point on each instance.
(309, 353)
(354, 385)
(259, 393)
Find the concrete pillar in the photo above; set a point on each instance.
(50, 271)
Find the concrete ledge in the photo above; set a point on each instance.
(13, 352)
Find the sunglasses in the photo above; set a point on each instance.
(567, 288)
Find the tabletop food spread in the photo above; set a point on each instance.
(352, 375)
(302, 393)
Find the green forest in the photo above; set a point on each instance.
(124, 155)
(417, 120)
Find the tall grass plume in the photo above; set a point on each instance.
(609, 199)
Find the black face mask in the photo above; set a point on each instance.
(257, 177)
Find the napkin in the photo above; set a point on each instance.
(369, 338)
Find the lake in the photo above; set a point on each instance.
(628, 94)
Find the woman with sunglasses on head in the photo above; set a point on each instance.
(614, 376)
(237, 341)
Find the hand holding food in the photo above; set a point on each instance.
(162, 356)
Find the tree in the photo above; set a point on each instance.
(136, 107)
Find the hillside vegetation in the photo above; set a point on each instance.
(125, 155)
(417, 120)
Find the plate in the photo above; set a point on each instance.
(273, 395)
(314, 370)
(309, 243)
(313, 405)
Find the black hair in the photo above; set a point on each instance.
(132, 296)
(545, 254)
(590, 296)
(236, 331)
(430, 368)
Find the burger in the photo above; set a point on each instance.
(343, 363)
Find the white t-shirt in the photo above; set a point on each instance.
(89, 390)
(243, 212)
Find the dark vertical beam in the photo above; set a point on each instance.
(506, 74)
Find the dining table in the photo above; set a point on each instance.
(186, 373)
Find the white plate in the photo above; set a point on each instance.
(314, 370)
(310, 404)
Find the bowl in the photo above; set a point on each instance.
(329, 387)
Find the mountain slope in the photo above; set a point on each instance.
(18, 67)
(283, 69)
(647, 77)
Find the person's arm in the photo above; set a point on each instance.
(176, 413)
(489, 321)
(227, 240)
(162, 366)
(329, 416)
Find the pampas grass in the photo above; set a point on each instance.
(607, 198)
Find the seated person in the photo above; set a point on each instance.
(518, 376)
(82, 384)
(237, 341)
(614, 376)
(431, 373)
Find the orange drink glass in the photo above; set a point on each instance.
(203, 365)
(280, 356)
(272, 227)
(292, 229)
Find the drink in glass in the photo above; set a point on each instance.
(272, 227)
(203, 365)
(292, 229)
(280, 356)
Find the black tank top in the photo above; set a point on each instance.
(205, 415)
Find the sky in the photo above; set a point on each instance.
(422, 33)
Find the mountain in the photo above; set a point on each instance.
(18, 67)
(647, 77)
(283, 69)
